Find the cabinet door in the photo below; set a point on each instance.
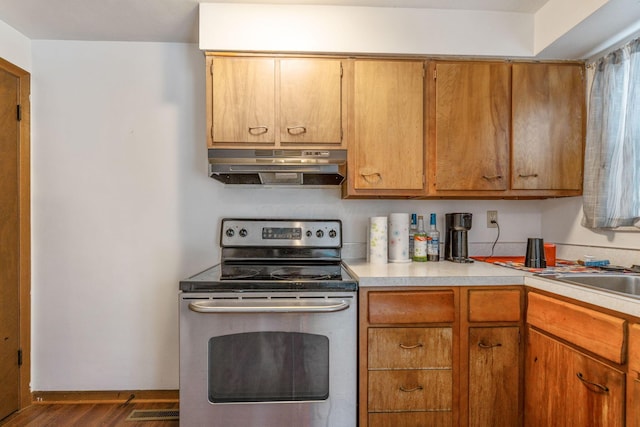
(548, 126)
(310, 101)
(633, 378)
(564, 387)
(388, 142)
(633, 397)
(472, 126)
(242, 100)
(494, 375)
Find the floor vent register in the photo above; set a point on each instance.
(153, 415)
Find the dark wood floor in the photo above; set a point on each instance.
(85, 415)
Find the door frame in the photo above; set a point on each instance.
(24, 211)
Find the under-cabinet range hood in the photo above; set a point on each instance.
(278, 167)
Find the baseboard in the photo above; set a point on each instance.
(109, 396)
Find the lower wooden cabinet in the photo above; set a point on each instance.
(494, 376)
(411, 419)
(492, 359)
(633, 377)
(468, 356)
(407, 357)
(633, 398)
(441, 356)
(565, 387)
(576, 357)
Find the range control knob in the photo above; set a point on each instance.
(319, 233)
(229, 232)
(309, 233)
(332, 234)
(243, 232)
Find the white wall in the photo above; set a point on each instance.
(557, 17)
(123, 209)
(345, 29)
(561, 221)
(15, 47)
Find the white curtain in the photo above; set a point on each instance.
(611, 193)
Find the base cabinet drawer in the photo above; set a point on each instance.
(592, 330)
(404, 307)
(411, 419)
(410, 390)
(410, 348)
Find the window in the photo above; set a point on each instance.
(612, 155)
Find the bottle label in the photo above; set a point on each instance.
(420, 247)
(433, 246)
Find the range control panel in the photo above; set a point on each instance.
(281, 233)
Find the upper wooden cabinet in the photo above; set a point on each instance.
(262, 102)
(506, 130)
(473, 129)
(386, 135)
(471, 117)
(548, 126)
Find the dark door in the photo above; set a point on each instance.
(9, 245)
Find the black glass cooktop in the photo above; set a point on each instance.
(240, 277)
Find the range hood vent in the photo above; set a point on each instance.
(318, 168)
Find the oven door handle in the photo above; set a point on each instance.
(270, 306)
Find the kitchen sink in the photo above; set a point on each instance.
(625, 284)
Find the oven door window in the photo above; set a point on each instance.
(268, 367)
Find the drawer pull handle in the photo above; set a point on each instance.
(595, 387)
(481, 344)
(491, 177)
(296, 130)
(258, 130)
(409, 390)
(411, 347)
(531, 175)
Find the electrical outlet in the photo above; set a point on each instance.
(492, 216)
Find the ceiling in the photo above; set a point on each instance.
(176, 20)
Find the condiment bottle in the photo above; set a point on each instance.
(412, 231)
(433, 240)
(420, 242)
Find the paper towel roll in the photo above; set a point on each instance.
(399, 237)
(378, 240)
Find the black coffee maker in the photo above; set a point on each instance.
(456, 243)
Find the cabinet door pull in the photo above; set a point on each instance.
(530, 175)
(258, 130)
(409, 390)
(481, 344)
(491, 177)
(296, 130)
(368, 177)
(595, 387)
(411, 347)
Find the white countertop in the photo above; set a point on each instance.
(445, 273)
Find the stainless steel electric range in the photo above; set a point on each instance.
(268, 337)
